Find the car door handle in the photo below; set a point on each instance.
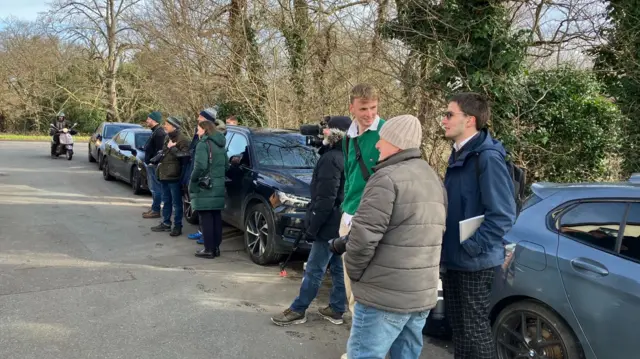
(584, 264)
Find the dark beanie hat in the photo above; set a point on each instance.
(341, 123)
(210, 114)
(175, 122)
(156, 116)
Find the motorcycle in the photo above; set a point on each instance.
(65, 145)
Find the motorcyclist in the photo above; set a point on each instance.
(60, 123)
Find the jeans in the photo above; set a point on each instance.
(172, 197)
(211, 224)
(319, 258)
(375, 332)
(155, 187)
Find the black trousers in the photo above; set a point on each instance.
(211, 227)
(466, 303)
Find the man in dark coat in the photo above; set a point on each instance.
(172, 158)
(151, 148)
(478, 183)
(322, 223)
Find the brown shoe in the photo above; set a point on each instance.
(151, 214)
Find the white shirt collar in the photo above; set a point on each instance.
(458, 147)
(353, 129)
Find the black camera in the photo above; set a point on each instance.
(314, 132)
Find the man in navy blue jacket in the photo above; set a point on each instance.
(477, 183)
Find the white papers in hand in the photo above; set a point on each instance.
(469, 226)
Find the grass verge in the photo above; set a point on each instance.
(37, 138)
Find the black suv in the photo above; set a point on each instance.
(267, 189)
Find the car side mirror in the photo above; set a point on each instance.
(126, 148)
(99, 137)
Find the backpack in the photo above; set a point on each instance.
(518, 178)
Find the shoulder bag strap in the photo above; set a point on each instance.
(363, 166)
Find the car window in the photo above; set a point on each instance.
(141, 139)
(111, 130)
(129, 139)
(595, 223)
(119, 139)
(99, 129)
(630, 246)
(237, 145)
(284, 151)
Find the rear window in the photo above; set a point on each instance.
(530, 201)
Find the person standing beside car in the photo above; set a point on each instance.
(206, 186)
(393, 249)
(478, 183)
(170, 165)
(322, 223)
(151, 148)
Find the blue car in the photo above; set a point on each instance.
(570, 284)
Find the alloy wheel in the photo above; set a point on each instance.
(257, 233)
(526, 335)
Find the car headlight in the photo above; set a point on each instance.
(65, 130)
(280, 198)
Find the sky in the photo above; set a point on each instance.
(23, 9)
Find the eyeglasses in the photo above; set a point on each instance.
(449, 114)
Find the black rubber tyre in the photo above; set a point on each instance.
(100, 161)
(91, 159)
(258, 240)
(105, 170)
(69, 155)
(136, 182)
(507, 328)
(190, 215)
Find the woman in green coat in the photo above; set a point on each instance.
(206, 188)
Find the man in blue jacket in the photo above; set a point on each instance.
(477, 183)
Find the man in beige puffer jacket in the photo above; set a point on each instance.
(393, 250)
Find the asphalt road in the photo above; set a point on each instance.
(82, 276)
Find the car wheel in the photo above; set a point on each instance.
(190, 215)
(529, 329)
(259, 235)
(91, 159)
(136, 183)
(100, 161)
(105, 170)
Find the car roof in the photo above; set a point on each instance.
(260, 130)
(630, 188)
(122, 124)
(137, 130)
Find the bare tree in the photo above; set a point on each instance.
(102, 26)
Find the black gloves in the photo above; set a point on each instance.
(157, 158)
(339, 245)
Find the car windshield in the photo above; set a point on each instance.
(141, 140)
(284, 151)
(111, 130)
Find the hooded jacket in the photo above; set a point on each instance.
(213, 198)
(471, 194)
(322, 220)
(393, 251)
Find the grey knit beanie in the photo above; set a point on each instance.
(402, 131)
(175, 122)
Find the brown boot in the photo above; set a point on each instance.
(151, 214)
